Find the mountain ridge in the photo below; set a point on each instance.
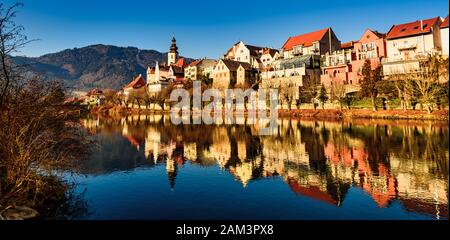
(94, 66)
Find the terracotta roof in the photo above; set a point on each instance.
(312, 192)
(412, 28)
(138, 82)
(348, 45)
(181, 62)
(445, 23)
(306, 39)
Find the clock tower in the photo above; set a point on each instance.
(173, 52)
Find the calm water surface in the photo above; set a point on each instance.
(146, 168)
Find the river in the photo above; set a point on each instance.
(143, 167)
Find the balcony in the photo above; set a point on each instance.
(397, 59)
(398, 65)
(336, 63)
(407, 46)
(369, 48)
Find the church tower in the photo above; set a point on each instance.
(173, 52)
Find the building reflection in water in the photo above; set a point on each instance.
(390, 161)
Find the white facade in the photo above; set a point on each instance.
(242, 53)
(403, 54)
(444, 38)
(302, 50)
(267, 58)
(410, 47)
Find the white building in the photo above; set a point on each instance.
(407, 43)
(242, 52)
(444, 37)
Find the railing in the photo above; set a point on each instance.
(401, 59)
(407, 46)
(334, 63)
(368, 49)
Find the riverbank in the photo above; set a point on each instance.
(439, 115)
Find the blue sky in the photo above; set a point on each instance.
(206, 28)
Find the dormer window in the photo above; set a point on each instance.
(298, 49)
(316, 46)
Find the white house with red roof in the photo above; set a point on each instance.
(444, 37)
(135, 89)
(407, 43)
(317, 43)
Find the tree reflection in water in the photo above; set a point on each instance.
(389, 160)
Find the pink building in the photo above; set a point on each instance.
(372, 47)
(337, 66)
(344, 66)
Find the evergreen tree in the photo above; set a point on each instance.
(370, 81)
(323, 96)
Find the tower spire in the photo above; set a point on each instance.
(173, 51)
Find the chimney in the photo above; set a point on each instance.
(421, 25)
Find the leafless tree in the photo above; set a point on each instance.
(426, 85)
(338, 92)
(38, 134)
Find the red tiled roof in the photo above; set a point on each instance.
(138, 82)
(312, 192)
(181, 62)
(445, 23)
(306, 39)
(347, 45)
(412, 28)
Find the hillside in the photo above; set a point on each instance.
(101, 66)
